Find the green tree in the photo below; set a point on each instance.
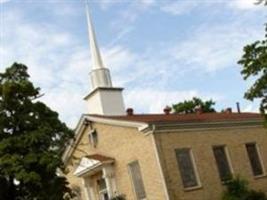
(254, 62)
(237, 189)
(32, 140)
(190, 106)
(257, 2)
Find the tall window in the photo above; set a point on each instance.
(254, 159)
(186, 166)
(137, 180)
(93, 138)
(102, 189)
(223, 163)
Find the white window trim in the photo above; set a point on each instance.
(160, 167)
(260, 158)
(92, 140)
(228, 157)
(131, 177)
(109, 177)
(199, 184)
(229, 160)
(261, 161)
(192, 157)
(101, 192)
(88, 188)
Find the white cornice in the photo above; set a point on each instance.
(170, 127)
(81, 126)
(139, 125)
(146, 128)
(77, 135)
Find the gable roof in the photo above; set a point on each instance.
(162, 122)
(99, 158)
(185, 118)
(91, 162)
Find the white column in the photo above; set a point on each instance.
(88, 188)
(108, 175)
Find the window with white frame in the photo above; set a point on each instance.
(93, 139)
(187, 167)
(102, 189)
(223, 162)
(137, 180)
(255, 159)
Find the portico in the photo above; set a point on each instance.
(98, 178)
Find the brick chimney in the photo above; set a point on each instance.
(167, 110)
(129, 111)
(228, 110)
(238, 107)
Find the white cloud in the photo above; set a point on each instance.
(60, 64)
(214, 48)
(118, 57)
(106, 4)
(154, 101)
(121, 34)
(244, 4)
(146, 3)
(206, 50)
(179, 7)
(35, 49)
(131, 12)
(61, 72)
(4, 1)
(56, 72)
(67, 100)
(250, 108)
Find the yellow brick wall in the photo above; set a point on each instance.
(201, 143)
(125, 145)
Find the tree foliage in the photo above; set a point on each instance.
(254, 62)
(32, 140)
(190, 106)
(119, 197)
(237, 189)
(261, 2)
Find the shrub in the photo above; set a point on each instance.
(237, 189)
(119, 197)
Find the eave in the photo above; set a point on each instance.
(83, 123)
(156, 127)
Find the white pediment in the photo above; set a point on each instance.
(85, 165)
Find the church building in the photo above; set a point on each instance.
(118, 153)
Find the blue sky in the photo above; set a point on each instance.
(160, 51)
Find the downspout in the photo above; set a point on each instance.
(159, 164)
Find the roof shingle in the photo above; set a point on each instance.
(185, 118)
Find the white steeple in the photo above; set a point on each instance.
(104, 99)
(95, 53)
(100, 76)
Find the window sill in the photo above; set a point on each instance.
(193, 188)
(260, 176)
(226, 182)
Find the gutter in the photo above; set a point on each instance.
(79, 128)
(166, 193)
(178, 127)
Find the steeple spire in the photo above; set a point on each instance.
(104, 99)
(100, 76)
(95, 53)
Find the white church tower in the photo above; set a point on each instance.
(104, 99)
